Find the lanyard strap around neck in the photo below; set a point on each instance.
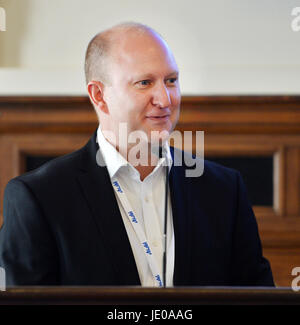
(134, 220)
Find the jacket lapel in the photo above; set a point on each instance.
(96, 185)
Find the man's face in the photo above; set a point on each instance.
(144, 88)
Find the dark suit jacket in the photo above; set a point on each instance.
(62, 226)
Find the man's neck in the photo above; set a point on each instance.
(144, 171)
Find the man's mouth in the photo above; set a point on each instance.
(158, 117)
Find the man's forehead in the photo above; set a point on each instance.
(123, 36)
(131, 43)
(141, 50)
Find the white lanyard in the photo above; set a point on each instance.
(139, 232)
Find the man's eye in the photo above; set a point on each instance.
(172, 80)
(144, 82)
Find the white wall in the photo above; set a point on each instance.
(221, 46)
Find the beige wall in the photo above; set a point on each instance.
(222, 47)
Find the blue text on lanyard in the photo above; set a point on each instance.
(117, 185)
(133, 218)
(148, 250)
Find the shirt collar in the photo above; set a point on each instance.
(115, 161)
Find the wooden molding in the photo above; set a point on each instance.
(214, 114)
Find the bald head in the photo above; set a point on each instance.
(100, 48)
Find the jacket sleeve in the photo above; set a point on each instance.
(249, 267)
(27, 247)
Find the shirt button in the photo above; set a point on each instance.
(155, 243)
(146, 199)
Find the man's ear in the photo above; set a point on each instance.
(95, 90)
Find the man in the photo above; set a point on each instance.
(95, 217)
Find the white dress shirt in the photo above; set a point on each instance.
(147, 198)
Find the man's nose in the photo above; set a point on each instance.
(161, 96)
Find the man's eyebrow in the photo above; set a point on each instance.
(152, 76)
(173, 74)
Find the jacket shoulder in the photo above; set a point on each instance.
(57, 169)
(201, 169)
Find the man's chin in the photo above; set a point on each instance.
(158, 136)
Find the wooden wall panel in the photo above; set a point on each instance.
(233, 125)
(283, 260)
